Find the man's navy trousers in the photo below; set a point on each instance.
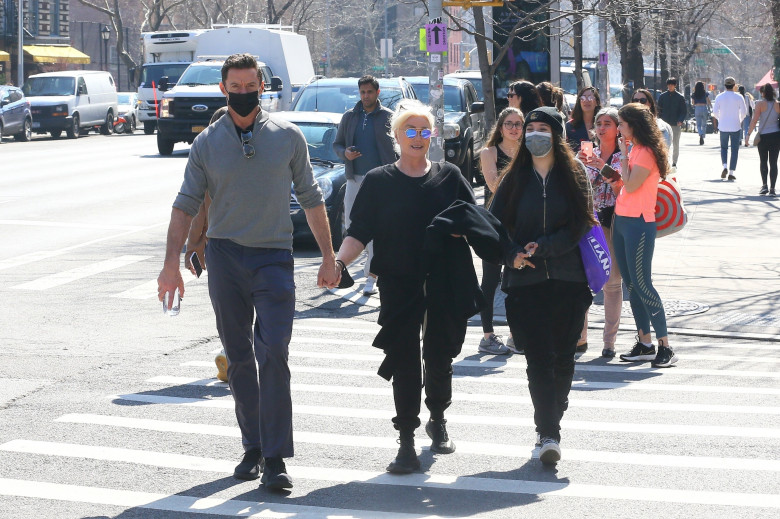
(246, 284)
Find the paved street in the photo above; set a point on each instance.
(108, 409)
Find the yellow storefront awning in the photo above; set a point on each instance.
(4, 56)
(56, 54)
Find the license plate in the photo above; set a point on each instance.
(198, 129)
(36, 125)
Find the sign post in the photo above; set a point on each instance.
(436, 42)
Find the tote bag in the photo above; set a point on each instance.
(670, 215)
(595, 258)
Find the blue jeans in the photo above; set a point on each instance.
(701, 119)
(634, 242)
(247, 286)
(745, 126)
(724, 151)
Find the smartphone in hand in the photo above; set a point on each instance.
(196, 264)
(586, 147)
(609, 173)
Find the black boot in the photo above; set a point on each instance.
(437, 432)
(406, 460)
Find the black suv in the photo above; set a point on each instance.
(464, 122)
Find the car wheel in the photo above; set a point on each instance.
(131, 128)
(466, 169)
(107, 128)
(55, 134)
(149, 127)
(1, 134)
(26, 134)
(74, 130)
(476, 168)
(338, 222)
(164, 146)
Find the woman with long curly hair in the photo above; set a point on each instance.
(501, 148)
(634, 229)
(583, 116)
(544, 201)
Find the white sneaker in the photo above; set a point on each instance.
(550, 453)
(369, 289)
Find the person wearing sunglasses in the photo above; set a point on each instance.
(645, 97)
(247, 161)
(580, 126)
(500, 149)
(394, 207)
(545, 202)
(523, 96)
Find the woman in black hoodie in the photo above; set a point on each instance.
(545, 203)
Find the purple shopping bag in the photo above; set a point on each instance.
(595, 258)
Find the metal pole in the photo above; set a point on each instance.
(603, 85)
(327, 18)
(385, 45)
(20, 57)
(435, 75)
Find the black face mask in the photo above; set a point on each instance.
(243, 104)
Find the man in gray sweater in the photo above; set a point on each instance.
(246, 162)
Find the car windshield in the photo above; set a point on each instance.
(154, 71)
(49, 86)
(338, 99)
(202, 75)
(124, 99)
(452, 98)
(320, 137)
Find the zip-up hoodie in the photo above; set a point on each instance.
(548, 221)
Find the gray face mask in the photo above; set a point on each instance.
(538, 143)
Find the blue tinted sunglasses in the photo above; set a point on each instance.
(412, 133)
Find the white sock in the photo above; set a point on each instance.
(725, 166)
(648, 344)
(731, 172)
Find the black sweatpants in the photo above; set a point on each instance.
(551, 314)
(403, 309)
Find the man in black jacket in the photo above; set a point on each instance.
(673, 109)
(363, 141)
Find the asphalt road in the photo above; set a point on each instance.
(110, 409)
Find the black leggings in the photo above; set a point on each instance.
(768, 151)
(491, 277)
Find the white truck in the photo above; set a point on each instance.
(166, 53)
(186, 109)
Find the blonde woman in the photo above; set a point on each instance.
(393, 208)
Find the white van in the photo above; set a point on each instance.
(75, 101)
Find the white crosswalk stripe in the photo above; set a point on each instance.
(700, 421)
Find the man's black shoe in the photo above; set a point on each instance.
(582, 348)
(437, 432)
(406, 460)
(701, 140)
(275, 475)
(251, 465)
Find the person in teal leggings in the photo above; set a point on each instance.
(634, 229)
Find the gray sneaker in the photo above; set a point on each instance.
(493, 345)
(510, 344)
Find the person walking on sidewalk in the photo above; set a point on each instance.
(500, 149)
(364, 142)
(546, 205)
(729, 109)
(247, 162)
(394, 207)
(766, 117)
(750, 103)
(606, 157)
(673, 109)
(701, 106)
(634, 229)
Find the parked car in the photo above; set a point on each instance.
(616, 95)
(475, 76)
(75, 101)
(127, 109)
(319, 129)
(464, 122)
(337, 95)
(15, 114)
